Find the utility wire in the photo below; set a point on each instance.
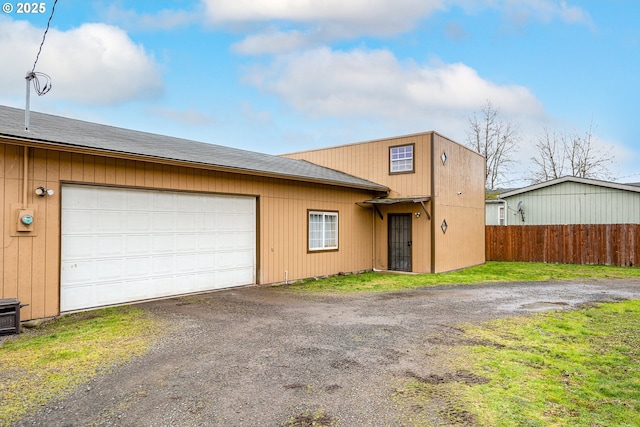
(53, 9)
(33, 75)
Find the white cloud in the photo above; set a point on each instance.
(94, 63)
(523, 11)
(381, 16)
(374, 84)
(273, 42)
(164, 19)
(307, 23)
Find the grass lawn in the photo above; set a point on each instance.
(45, 362)
(563, 368)
(489, 272)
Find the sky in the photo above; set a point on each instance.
(279, 76)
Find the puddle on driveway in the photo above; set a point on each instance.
(545, 305)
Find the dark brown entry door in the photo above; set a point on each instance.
(400, 242)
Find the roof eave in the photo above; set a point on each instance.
(60, 146)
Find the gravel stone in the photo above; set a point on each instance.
(263, 356)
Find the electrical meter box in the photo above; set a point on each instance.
(24, 220)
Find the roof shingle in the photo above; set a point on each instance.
(67, 132)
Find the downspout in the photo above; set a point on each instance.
(433, 204)
(373, 237)
(26, 174)
(506, 212)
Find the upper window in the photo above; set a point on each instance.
(401, 159)
(323, 231)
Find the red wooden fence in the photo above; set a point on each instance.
(606, 244)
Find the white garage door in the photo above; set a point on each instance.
(123, 245)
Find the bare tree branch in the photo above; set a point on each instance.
(494, 139)
(550, 160)
(576, 155)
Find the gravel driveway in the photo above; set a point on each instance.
(261, 356)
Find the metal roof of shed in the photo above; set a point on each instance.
(49, 130)
(596, 182)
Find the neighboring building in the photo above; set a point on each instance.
(496, 212)
(567, 200)
(95, 215)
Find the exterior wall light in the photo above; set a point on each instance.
(41, 192)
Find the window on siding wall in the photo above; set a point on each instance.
(323, 231)
(401, 159)
(501, 215)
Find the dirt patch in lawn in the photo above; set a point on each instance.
(265, 356)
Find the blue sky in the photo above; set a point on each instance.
(279, 76)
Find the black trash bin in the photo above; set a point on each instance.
(9, 316)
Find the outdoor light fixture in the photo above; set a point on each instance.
(41, 192)
(417, 214)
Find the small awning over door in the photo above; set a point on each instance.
(392, 201)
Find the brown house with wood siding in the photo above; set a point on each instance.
(95, 215)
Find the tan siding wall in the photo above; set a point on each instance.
(370, 160)
(463, 243)
(31, 265)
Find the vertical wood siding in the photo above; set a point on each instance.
(605, 244)
(30, 265)
(459, 199)
(370, 160)
(463, 243)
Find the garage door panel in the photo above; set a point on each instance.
(139, 244)
(163, 286)
(163, 243)
(121, 292)
(185, 263)
(206, 261)
(244, 240)
(107, 245)
(205, 242)
(139, 201)
(110, 199)
(162, 201)
(185, 242)
(162, 265)
(206, 281)
(77, 272)
(83, 198)
(110, 221)
(243, 275)
(138, 267)
(78, 247)
(75, 297)
(137, 222)
(121, 245)
(108, 269)
(187, 221)
(162, 221)
(78, 222)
